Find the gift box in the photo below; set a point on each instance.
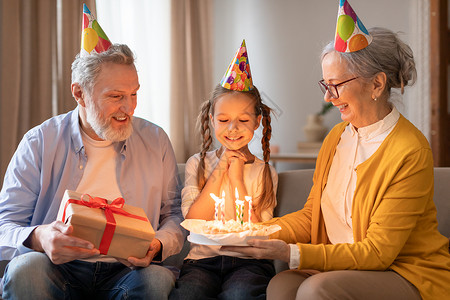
(116, 229)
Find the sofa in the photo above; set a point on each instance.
(293, 190)
(297, 183)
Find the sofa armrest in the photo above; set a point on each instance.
(442, 199)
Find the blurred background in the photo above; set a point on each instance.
(184, 47)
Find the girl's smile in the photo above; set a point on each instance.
(234, 120)
(233, 138)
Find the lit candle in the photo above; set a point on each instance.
(249, 199)
(222, 207)
(239, 208)
(216, 205)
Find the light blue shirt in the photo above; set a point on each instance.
(51, 159)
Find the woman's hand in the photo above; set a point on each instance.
(263, 249)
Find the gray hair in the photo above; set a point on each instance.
(85, 69)
(387, 53)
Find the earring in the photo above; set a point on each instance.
(375, 99)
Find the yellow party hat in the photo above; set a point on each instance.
(93, 38)
(351, 35)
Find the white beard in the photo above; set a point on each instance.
(103, 128)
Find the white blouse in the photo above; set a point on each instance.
(253, 185)
(355, 147)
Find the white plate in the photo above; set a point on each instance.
(231, 240)
(197, 235)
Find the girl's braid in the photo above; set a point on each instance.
(267, 199)
(206, 142)
(267, 132)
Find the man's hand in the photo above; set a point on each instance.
(263, 249)
(153, 250)
(56, 241)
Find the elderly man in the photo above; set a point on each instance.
(100, 149)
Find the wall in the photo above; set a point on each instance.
(284, 39)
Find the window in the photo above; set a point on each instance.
(144, 25)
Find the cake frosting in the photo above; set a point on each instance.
(232, 226)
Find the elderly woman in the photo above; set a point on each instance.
(368, 229)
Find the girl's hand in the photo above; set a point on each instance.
(263, 249)
(223, 162)
(236, 170)
(236, 160)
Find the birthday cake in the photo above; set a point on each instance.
(233, 226)
(230, 232)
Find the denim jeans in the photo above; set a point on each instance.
(34, 276)
(223, 277)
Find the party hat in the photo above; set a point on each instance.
(351, 35)
(93, 38)
(238, 76)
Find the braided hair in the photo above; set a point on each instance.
(205, 130)
(267, 197)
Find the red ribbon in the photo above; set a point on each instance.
(114, 208)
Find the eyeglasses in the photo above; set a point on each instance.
(332, 88)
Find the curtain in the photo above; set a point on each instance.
(144, 25)
(191, 71)
(39, 40)
(418, 96)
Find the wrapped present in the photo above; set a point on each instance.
(116, 229)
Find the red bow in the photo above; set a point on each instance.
(116, 207)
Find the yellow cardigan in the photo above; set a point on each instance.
(394, 216)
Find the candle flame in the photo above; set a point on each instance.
(239, 202)
(215, 198)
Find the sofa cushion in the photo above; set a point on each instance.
(442, 199)
(293, 190)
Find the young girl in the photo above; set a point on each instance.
(235, 112)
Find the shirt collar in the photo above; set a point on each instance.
(75, 131)
(88, 140)
(375, 129)
(122, 146)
